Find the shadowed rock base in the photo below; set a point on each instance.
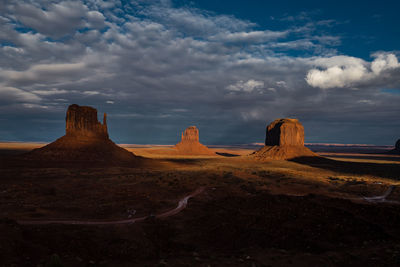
(282, 152)
(396, 150)
(77, 150)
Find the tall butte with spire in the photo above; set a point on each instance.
(81, 123)
(190, 145)
(85, 140)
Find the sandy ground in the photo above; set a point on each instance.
(304, 212)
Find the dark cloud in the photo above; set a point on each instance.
(156, 69)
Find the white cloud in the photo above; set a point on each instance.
(43, 72)
(56, 19)
(95, 19)
(281, 83)
(248, 86)
(345, 71)
(194, 21)
(384, 61)
(365, 101)
(91, 93)
(53, 91)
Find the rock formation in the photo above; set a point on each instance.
(396, 149)
(81, 122)
(190, 134)
(285, 132)
(85, 141)
(190, 145)
(284, 140)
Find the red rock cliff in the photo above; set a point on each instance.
(81, 121)
(285, 132)
(191, 134)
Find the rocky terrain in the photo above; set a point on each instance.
(284, 140)
(251, 213)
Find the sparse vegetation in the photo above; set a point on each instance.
(277, 209)
(54, 261)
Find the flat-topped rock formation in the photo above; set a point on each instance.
(284, 140)
(81, 122)
(285, 132)
(190, 145)
(85, 140)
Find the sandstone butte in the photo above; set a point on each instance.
(190, 145)
(85, 140)
(284, 140)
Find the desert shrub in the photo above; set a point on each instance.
(54, 261)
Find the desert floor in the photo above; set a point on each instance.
(303, 212)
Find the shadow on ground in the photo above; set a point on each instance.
(386, 170)
(229, 155)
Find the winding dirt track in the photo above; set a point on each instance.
(382, 198)
(181, 205)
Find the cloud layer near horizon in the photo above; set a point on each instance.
(157, 67)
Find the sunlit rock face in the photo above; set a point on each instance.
(81, 121)
(190, 134)
(85, 140)
(285, 132)
(190, 145)
(284, 140)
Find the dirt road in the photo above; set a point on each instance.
(181, 205)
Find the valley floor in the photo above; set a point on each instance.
(304, 212)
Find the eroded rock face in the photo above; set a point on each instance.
(190, 145)
(285, 132)
(81, 121)
(284, 140)
(190, 134)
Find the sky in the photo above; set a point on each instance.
(228, 67)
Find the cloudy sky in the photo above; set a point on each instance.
(229, 67)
